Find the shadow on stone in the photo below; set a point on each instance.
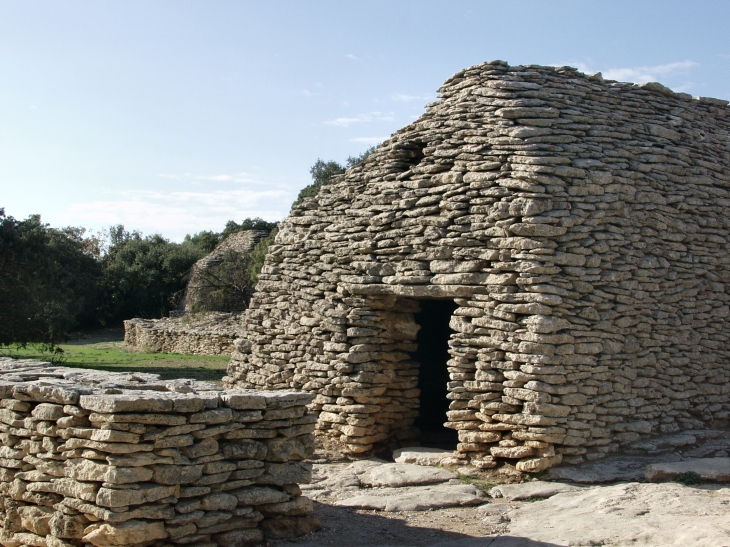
(344, 526)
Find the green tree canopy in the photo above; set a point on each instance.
(143, 276)
(48, 280)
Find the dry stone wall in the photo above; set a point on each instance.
(211, 333)
(581, 227)
(104, 459)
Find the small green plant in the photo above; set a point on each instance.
(689, 478)
(482, 485)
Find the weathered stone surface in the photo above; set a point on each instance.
(405, 474)
(711, 469)
(530, 490)
(421, 455)
(132, 532)
(624, 514)
(259, 495)
(417, 499)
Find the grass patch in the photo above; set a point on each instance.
(484, 486)
(689, 478)
(113, 357)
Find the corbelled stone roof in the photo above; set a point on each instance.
(580, 226)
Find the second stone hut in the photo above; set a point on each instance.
(534, 271)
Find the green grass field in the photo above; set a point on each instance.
(111, 356)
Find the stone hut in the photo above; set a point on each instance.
(538, 265)
(202, 274)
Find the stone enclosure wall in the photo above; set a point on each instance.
(103, 459)
(580, 227)
(211, 333)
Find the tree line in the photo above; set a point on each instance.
(56, 280)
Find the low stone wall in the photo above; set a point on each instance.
(200, 334)
(109, 459)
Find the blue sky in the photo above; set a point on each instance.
(176, 116)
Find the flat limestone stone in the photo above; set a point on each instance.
(132, 532)
(147, 493)
(620, 468)
(133, 401)
(714, 469)
(420, 455)
(417, 499)
(404, 474)
(651, 515)
(528, 490)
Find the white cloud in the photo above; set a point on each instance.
(352, 57)
(367, 117)
(369, 140)
(640, 73)
(179, 212)
(648, 73)
(307, 93)
(238, 178)
(408, 98)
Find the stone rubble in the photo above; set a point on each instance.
(117, 459)
(580, 226)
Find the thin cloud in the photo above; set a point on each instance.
(352, 57)
(641, 73)
(177, 213)
(367, 117)
(307, 93)
(242, 177)
(401, 97)
(369, 140)
(648, 73)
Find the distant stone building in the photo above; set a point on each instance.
(206, 322)
(202, 280)
(539, 264)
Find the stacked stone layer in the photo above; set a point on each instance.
(581, 227)
(211, 333)
(104, 459)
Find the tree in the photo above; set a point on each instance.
(48, 280)
(143, 276)
(323, 171)
(207, 241)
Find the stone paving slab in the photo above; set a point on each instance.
(712, 469)
(405, 474)
(417, 499)
(530, 490)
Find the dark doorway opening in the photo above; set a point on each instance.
(432, 354)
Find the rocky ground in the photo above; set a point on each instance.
(672, 491)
